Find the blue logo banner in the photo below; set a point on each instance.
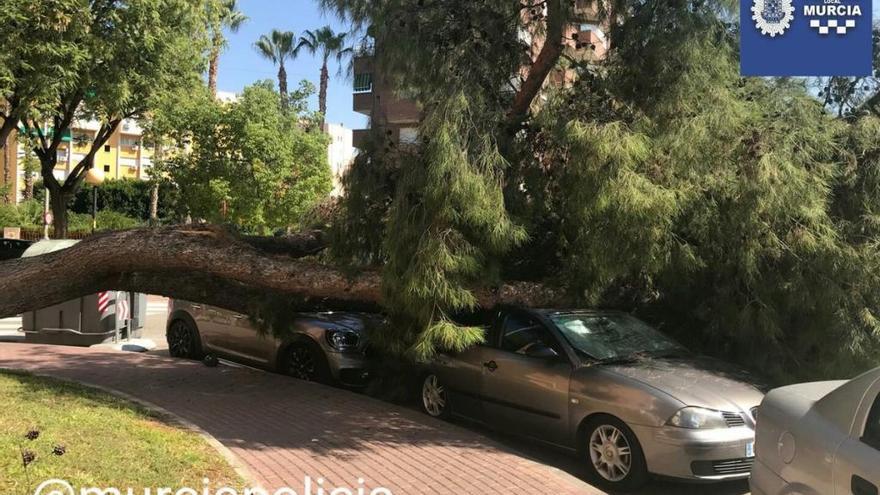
(805, 38)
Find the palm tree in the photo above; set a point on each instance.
(222, 14)
(330, 44)
(278, 47)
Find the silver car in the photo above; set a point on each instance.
(820, 439)
(323, 347)
(605, 384)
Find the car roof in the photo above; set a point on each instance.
(547, 312)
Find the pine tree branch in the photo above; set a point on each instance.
(543, 64)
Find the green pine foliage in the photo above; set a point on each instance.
(738, 214)
(447, 224)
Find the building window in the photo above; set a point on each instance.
(363, 83)
(107, 148)
(106, 168)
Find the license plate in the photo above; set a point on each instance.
(750, 449)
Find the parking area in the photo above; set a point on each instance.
(324, 447)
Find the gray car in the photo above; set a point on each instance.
(324, 347)
(605, 384)
(820, 439)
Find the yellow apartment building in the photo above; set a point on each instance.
(124, 156)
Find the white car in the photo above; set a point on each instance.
(819, 439)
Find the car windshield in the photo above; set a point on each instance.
(614, 336)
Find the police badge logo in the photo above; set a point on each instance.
(772, 17)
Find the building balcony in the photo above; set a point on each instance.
(363, 103)
(359, 137)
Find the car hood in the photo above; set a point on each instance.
(701, 382)
(360, 323)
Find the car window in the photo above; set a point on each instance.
(872, 429)
(520, 333)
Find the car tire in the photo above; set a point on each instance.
(614, 457)
(183, 340)
(434, 397)
(306, 361)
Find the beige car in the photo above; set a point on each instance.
(604, 384)
(820, 439)
(324, 347)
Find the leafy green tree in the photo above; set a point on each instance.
(250, 163)
(40, 55)
(126, 58)
(221, 15)
(328, 44)
(278, 46)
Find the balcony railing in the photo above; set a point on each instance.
(363, 83)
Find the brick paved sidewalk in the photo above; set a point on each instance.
(283, 429)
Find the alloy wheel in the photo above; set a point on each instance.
(610, 453)
(301, 363)
(434, 396)
(180, 340)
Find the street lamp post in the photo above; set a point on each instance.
(94, 177)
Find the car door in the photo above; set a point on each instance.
(857, 463)
(524, 394)
(461, 372)
(232, 335)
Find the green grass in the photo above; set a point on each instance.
(109, 442)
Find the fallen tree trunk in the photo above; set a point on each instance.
(209, 265)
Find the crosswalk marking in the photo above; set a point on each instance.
(156, 307)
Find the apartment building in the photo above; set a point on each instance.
(124, 156)
(374, 97)
(340, 154)
(399, 117)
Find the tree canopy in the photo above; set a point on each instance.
(659, 181)
(248, 163)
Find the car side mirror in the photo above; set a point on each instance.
(541, 351)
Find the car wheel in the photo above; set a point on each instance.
(435, 400)
(306, 361)
(183, 340)
(614, 455)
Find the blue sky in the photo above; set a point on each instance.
(241, 65)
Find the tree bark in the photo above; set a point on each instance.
(322, 94)
(28, 193)
(209, 265)
(282, 87)
(543, 64)
(154, 204)
(213, 66)
(8, 189)
(59, 198)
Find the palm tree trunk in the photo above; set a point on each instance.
(213, 66)
(282, 86)
(28, 192)
(8, 189)
(322, 95)
(154, 204)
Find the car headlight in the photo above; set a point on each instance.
(342, 340)
(697, 418)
